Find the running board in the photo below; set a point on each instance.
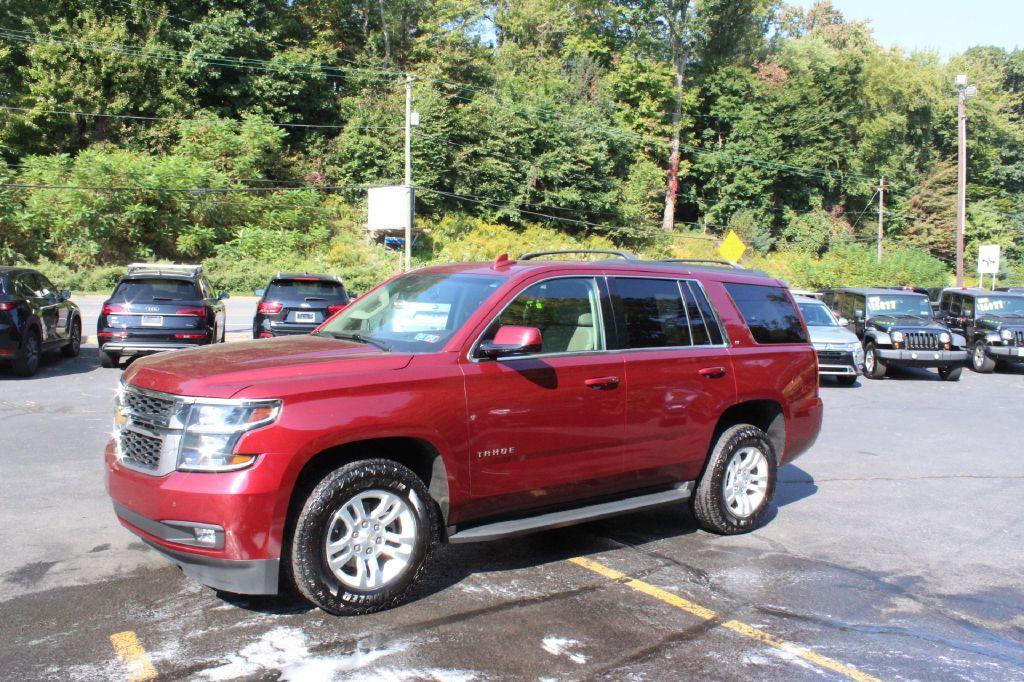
(568, 517)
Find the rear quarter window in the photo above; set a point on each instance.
(768, 312)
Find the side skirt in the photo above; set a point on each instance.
(559, 519)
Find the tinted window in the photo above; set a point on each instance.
(25, 287)
(768, 312)
(653, 312)
(944, 305)
(156, 289)
(816, 314)
(707, 325)
(301, 289)
(566, 311)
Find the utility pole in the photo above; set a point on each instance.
(965, 92)
(881, 214)
(408, 171)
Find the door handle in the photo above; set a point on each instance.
(712, 372)
(601, 383)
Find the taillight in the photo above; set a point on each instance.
(190, 336)
(8, 305)
(269, 307)
(198, 312)
(266, 335)
(336, 308)
(113, 309)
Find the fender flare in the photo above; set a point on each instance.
(878, 337)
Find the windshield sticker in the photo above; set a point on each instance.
(427, 338)
(415, 316)
(876, 303)
(986, 305)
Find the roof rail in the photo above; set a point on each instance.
(706, 261)
(625, 255)
(134, 268)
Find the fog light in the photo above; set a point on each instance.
(206, 536)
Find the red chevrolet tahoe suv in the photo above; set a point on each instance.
(464, 403)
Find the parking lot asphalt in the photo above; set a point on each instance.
(894, 552)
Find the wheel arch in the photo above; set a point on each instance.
(421, 456)
(765, 413)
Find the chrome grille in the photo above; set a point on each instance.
(922, 340)
(147, 408)
(139, 449)
(829, 356)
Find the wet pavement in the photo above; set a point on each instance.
(894, 552)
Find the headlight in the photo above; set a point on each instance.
(944, 337)
(897, 337)
(1006, 334)
(213, 429)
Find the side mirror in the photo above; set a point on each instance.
(64, 294)
(510, 341)
(260, 292)
(859, 314)
(843, 322)
(223, 295)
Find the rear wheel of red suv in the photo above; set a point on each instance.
(735, 493)
(363, 537)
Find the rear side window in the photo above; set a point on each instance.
(156, 289)
(653, 312)
(301, 289)
(768, 312)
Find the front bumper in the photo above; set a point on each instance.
(245, 510)
(1006, 353)
(239, 576)
(839, 363)
(922, 358)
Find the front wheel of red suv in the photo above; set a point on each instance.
(735, 493)
(363, 538)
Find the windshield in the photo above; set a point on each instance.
(817, 315)
(899, 304)
(415, 313)
(1000, 305)
(155, 289)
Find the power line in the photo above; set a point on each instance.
(190, 190)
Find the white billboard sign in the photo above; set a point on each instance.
(388, 208)
(988, 259)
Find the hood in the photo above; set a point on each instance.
(223, 370)
(911, 322)
(832, 335)
(990, 321)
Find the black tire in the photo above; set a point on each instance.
(874, 368)
(309, 568)
(27, 362)
(950, 373)
(108, 360)
(847, 379)
(74, 344)
(980, 361)
(709, 505)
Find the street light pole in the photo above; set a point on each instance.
(965, 92)
(408, 171)
(881, 215)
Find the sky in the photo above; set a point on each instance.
(946, 26)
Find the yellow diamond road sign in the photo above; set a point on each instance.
(732, 247)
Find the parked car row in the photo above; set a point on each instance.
(883, 327)
(154, 307)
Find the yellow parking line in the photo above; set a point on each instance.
(133, 656)
(734, 625)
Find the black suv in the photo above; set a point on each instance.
(296, 303)
(35, 318)
(897, 329)
(158, 307)
(991, 321)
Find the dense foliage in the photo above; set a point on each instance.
(243, 133)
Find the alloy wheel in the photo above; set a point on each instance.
(745, 484)
(370, 539)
